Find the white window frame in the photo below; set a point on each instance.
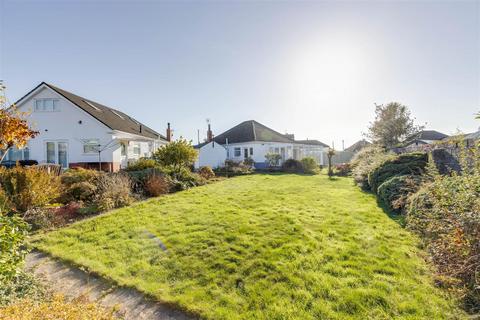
(137, 146)
(91, 142)
(55, 105)
(55, 143)
(237, 152)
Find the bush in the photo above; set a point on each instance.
(394, 192)
(56, 308)
(157, 185)
(113, 191)
(404, 164)
(342, 170)
(233, 168)
(446, 214)
(206, 172)
(365, 161)
(21, 286)
(79, 185)
(50, 218)
(13, 231)
(272, 159)
(27, 188)
(138, 178)
(293, 166)
(309, 165)
(176, 156)
(248, 162)
(142, 164)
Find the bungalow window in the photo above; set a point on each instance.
(237, 152)
(91, 146)
(46, 105)
(136, 149)
(123, 149)
(15, 154)
(251, 151)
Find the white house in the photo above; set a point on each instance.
(251, 139)
(78, 132)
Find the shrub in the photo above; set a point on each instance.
(343, 169)
(176, 156)
(157, 185)
(446, 213)
(272, 159)
(138, 178)
(13, 231)
(56, 308)
(142, 164)
(365, 161)
(394, 192)
(79, 184)
(233, 168)
(248, 162)
(27, 187)
(21, 286)
(292, 165)
(206, 172)
(309, 165)
(113, 191)
(404, 164)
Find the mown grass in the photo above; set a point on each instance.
(262, 247)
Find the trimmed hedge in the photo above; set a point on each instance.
(394, 192)
(404, 164)
(293, 166)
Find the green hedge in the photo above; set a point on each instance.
(404, 164)
(394, 192)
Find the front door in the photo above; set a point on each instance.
(245, 153)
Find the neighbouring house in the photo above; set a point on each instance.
(423, 138)
(78, 132)
(357, 146)
(251, 139)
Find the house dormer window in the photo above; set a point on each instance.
(46, 105)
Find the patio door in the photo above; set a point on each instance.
(57, 152)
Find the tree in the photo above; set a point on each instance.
(176, 155)
(14, 128)
(393, 124)
(330, 154)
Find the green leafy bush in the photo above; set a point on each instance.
(22, 285)
(309, 165)
(233, 168)
(273, 159)
(293, 166)
(394, 192)
(113, 191)
(206, 172)
(365, 161)
(176, 156)
(404, 164)
(27, 188)
(142, 164)
(13, 231)
(79, 184)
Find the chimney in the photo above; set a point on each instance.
(169, 133)
(209, 134)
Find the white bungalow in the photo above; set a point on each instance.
(251, 139)
(78, 132)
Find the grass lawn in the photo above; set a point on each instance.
(261, 247)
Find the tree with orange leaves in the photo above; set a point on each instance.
(14, 128)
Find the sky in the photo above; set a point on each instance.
(314, 69)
